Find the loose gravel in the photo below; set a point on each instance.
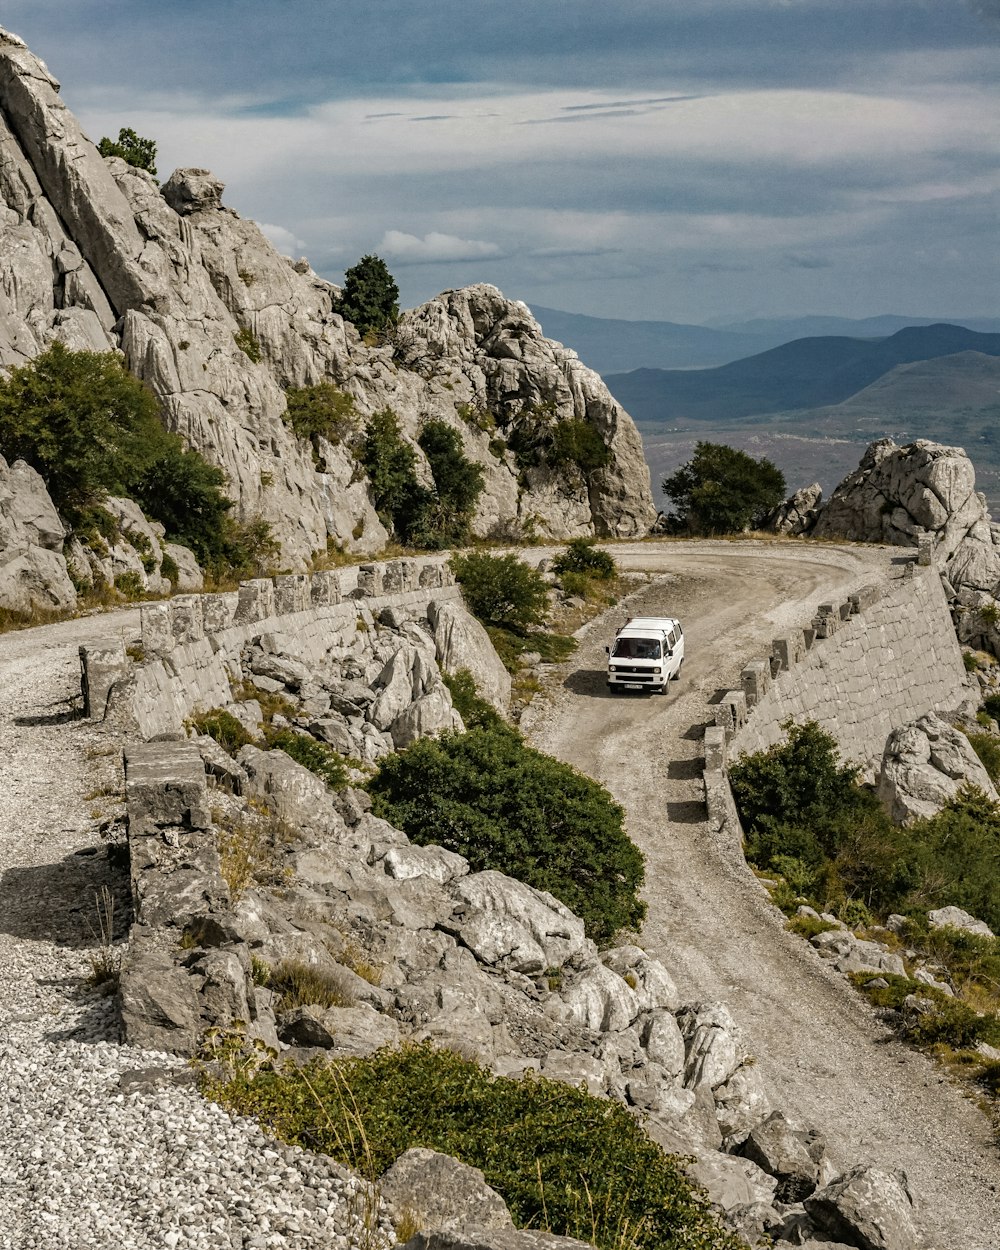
(104, 1147)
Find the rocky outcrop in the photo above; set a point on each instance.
(925, 764)
(33, 572)
(95, 254)
(797, 514)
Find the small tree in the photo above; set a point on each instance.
(504, 805)
(370, 296)
(132, 148)
(501, 590)
(458, 482)
(721, 489)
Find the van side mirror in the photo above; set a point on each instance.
(607, 650)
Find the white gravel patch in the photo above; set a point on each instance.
(85, 1162)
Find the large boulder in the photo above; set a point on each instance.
(436, 1191)
(33, 572)
(925, 764)
(462, 643)
(507, 923)
(867, 1208)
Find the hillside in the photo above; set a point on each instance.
(805, 374)
(615, 346)
(99, 256)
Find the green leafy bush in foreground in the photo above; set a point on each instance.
(505, 806)
(582, 555)
(561, 1159)
(501, 590)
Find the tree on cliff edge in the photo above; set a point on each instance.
(370, 296)
(722, 490)
(132, 148)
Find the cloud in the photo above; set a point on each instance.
(285, 241)
(409, 249)
(793, 261)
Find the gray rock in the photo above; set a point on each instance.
(507, 923)
(359, 1030)
(924, 766)
(462, 643)
(955, 918)
(731, 1181)
(33, 572)
(294, 794)
(438, 1192)
(797, 514)
(715, 1046)
(407, 862)
(783, 1153)
(866, 1208)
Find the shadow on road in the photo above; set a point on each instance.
(593, 683)
(69, 914)
(685, 770)
(688, 812)
(68, 710)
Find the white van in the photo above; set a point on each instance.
(647, 652)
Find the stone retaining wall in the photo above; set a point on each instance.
(884, 656)
(191, 644)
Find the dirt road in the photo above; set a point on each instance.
(823, 1056)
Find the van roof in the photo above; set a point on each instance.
(639, 623)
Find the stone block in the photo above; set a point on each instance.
(215, 613)
(102, 665)
(370, 579)
(410, 573)
(430, 576)
(166, 786)
(925, 550)
(392, 578)
(292, 593)
(845, 610)
(715, 748)
(756, 681)
(325, 589)
(808, 637)
(256, 601)
(788, 650)
(186, 619)
(157, 630)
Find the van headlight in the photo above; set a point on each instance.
(612, 668)
(657, 669)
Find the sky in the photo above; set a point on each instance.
(685, 160)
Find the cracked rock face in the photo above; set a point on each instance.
(925, 765)
(96, 254)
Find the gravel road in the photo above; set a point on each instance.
(823, 1055)
(100, 1147)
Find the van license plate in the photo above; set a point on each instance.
(633, 685)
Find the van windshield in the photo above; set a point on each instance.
(636, 649)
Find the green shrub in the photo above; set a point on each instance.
(300, 984)
(182, 491)
(223, 726)
(169, 569)
(722, 490)
(389, 461)
(132, 148)
(474, 710)
(582, 555)
(561, 1159)
(577, 442)
(992, 705)
(504, 805)
(130, 584)
(321, 411)
(501, 590)
(970, 661)
(511, 646)
(478, 418)
(248, 343)
(370, 295)
(458, 483)
(318, 757)
(808, 926)
(81, 420)
(987, 747)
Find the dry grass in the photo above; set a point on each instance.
(252, 849)
(105, 966)
(299, 984)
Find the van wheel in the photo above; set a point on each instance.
(677, 675)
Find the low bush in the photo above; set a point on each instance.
(321, 411)
(582, 555)
(504, 805)
(223, 726)
(474, 710)
(501, 590)
(562, 1159)
(299, 984)
(987, 747)
(511, 646)
(318, 757)
(251, 848)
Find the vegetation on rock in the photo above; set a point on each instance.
(582, 555)
(370, 296)
(722, 490)
(501, 590)
(132, 148)
(504, 805)
(562, 1159)
(321, 411)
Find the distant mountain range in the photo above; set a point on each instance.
(804, 374)
(614, 346)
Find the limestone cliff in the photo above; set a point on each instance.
(96, 254)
